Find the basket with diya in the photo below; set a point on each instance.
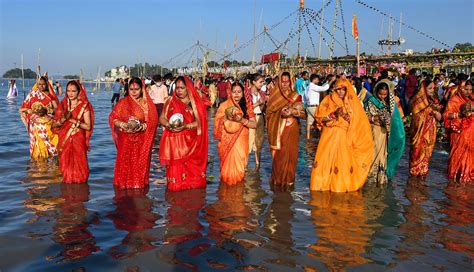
(133, 123)
(176, 120)
(39, 109)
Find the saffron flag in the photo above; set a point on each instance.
(355, 30)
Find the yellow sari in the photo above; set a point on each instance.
(346, 149)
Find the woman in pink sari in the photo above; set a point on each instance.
(75, 119)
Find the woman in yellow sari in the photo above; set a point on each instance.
(233, 119)
(284, 109)
(425, 108)
(37, 112)
(346, 147)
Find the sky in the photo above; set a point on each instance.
(87, 34)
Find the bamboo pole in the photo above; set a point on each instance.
(23, 77)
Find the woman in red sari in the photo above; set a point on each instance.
(133, 121)
(233, 119)
(284, 109)
(183, 145)
(75, 119)
(425, 108)
(37, 112)
(459, 121)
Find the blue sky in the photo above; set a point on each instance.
(86, 34)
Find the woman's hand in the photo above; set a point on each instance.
(338, 112)
(176, 129)
(286, 112)
(67, 115)
(237, 118)
(346, 117)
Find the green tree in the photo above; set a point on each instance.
(463, 47)
(16, 73)
(71, 77)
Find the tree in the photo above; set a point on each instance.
(16, 73)
(71, 77)
(463, 47)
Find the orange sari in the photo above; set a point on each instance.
(461, 131)
(283, 134)
(423, 132)
(233, 143)
(346, 149)
(132, 166)
(73, 141)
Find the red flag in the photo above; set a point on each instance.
(355, 30)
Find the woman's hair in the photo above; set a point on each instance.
(73, 82)
(242, 102)
(286, 74)
(358, 84)
(379, 87)
(180, 78)
(45, 79)
(254, 77)
(136, 80)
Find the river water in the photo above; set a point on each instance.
(407, 225)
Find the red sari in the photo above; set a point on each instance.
(185, 153)
(74, 141)
(461, 131)
(132, 166)
(423, 132)
(283, 135)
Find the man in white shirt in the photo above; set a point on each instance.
(158, 93)
(312, 99)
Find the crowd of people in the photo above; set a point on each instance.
(362, 124)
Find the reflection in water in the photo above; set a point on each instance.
(415, 226)
(253, 196)
(277, 227)
(42, 176)
(183, 215)
(133, 214)
(341, 225)
(458, 235)
(229, 214)
(71, 228)
(183, 237)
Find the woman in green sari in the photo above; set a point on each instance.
(387, 130)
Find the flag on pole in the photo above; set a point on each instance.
(355, 30)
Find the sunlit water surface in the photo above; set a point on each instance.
(45, 225)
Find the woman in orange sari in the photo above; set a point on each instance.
(183, 145)
(459, 121)
(425, 109)
(133, 121)
(233, 119)
(346, 147)
(37, 112)
(284, 109)
(75, 119)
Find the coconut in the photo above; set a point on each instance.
(176, 120)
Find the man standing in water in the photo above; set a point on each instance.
(116, 87)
